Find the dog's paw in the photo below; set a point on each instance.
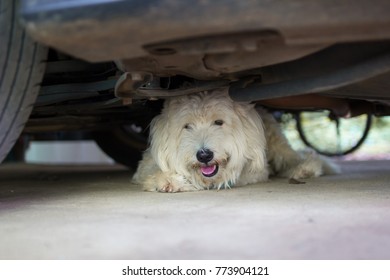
(174, 187)
(168, 187)
(313, 166)
(159, 184)
(304, 172)
(169, 183)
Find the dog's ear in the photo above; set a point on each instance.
(253, 130)
(159, 141)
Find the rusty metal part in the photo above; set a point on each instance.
(338, 106)
(144, 85)
(128, 83)
(188, 89)
(127, 101)
(341, 107)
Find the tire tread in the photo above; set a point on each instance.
(23, 68)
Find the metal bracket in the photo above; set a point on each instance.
(144, 85)
(127, 84)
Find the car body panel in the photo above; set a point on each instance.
(103, 30)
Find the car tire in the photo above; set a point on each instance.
(21, 71)
(122, 145)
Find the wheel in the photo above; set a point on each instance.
(124, 144)
(330, 135)
(21, 71)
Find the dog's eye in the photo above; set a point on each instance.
(187, 126)
(218, 122)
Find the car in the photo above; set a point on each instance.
(106, 66)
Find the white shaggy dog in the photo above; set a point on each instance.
(206, 140)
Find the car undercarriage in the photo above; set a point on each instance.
(110, 64)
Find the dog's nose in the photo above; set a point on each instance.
(204, 155)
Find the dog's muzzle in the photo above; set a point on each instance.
(205, 157)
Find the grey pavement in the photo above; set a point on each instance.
(93, 212)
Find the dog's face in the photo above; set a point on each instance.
(207, 144)
(202, 137)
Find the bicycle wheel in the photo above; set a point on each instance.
(330, 135)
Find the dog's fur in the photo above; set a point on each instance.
(247, 146)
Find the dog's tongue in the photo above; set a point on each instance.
(207, 170)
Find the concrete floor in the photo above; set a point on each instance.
(54, 212)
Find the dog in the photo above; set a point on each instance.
(206, 140)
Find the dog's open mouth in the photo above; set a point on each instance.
(209, 170)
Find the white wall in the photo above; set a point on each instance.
(66, 152)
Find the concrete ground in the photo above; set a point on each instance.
(93, 212)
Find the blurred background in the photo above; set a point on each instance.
(360, 138)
